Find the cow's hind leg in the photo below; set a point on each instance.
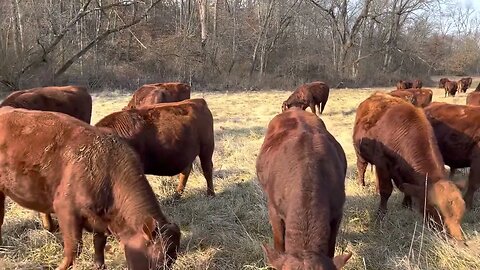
(312, 107)
(473, 182)
(182, 181)
(323, 106)
(207, 167)
(2, 214)
(385, 188)
(99, 242)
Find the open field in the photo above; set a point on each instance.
(226, 232)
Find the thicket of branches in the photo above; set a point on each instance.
(234, 43)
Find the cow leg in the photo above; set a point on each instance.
(2, 214)
(323, 106)
(207, 168)
(385, 188)
(99, 242)
(452, 172)
(407, 201)
(47, 222)
(361, 168)
(182, 181)
(312, 107)
(71, 228)
(334, 227)
(278, 229)
(473, 183)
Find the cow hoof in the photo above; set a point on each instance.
(210, 193)
(100, 266)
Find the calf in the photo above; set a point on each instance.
(308, 95)
(301, 168)
(397, 138)
(168, 137)
(457, 128)
(451, 88)
(155, 93)
(51, 162)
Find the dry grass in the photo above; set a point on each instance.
(225, 232)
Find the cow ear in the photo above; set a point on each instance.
(413, 190)
(148, 228)
(340, 260)
(273, 256)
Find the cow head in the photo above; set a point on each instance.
(305, 260)
(444, 203)
(153, 247)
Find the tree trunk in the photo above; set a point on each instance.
(17, 17)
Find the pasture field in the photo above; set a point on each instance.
(226, 232)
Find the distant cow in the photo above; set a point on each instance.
(72, 100)
(418, 97)
(442, 82)
(168, 137)
(464, 84)
(457, 128)
(155, 93)
(301, 168)
(451, 88)
(417, 84)
(52, 162)
(397, 138)
(308, 95)
(404, 85)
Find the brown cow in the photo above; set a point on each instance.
(397, 138)
(308, 95)
(473, 98)
(464, 84)
(301, 168)
(155, 93)
(457, 128)
(441, 83)
(418, 97)
(72, 100)
(404, 85)
(52, 162)
(168, 137)
(451, 88)
(417, 84)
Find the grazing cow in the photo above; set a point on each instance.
(417, 84)
(441, 83)
(473, 98)
(464, 84)
(168, 137)
(72, 100)
(404, 85)
(155, 93)
(457, 128)
(451, 88)
(301, 168)
(52, 162)
(397, 138)
(308, 95)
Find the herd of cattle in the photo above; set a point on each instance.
(93, 177)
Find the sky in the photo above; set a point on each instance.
(471, 3)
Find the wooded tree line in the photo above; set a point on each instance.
(234, 44)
